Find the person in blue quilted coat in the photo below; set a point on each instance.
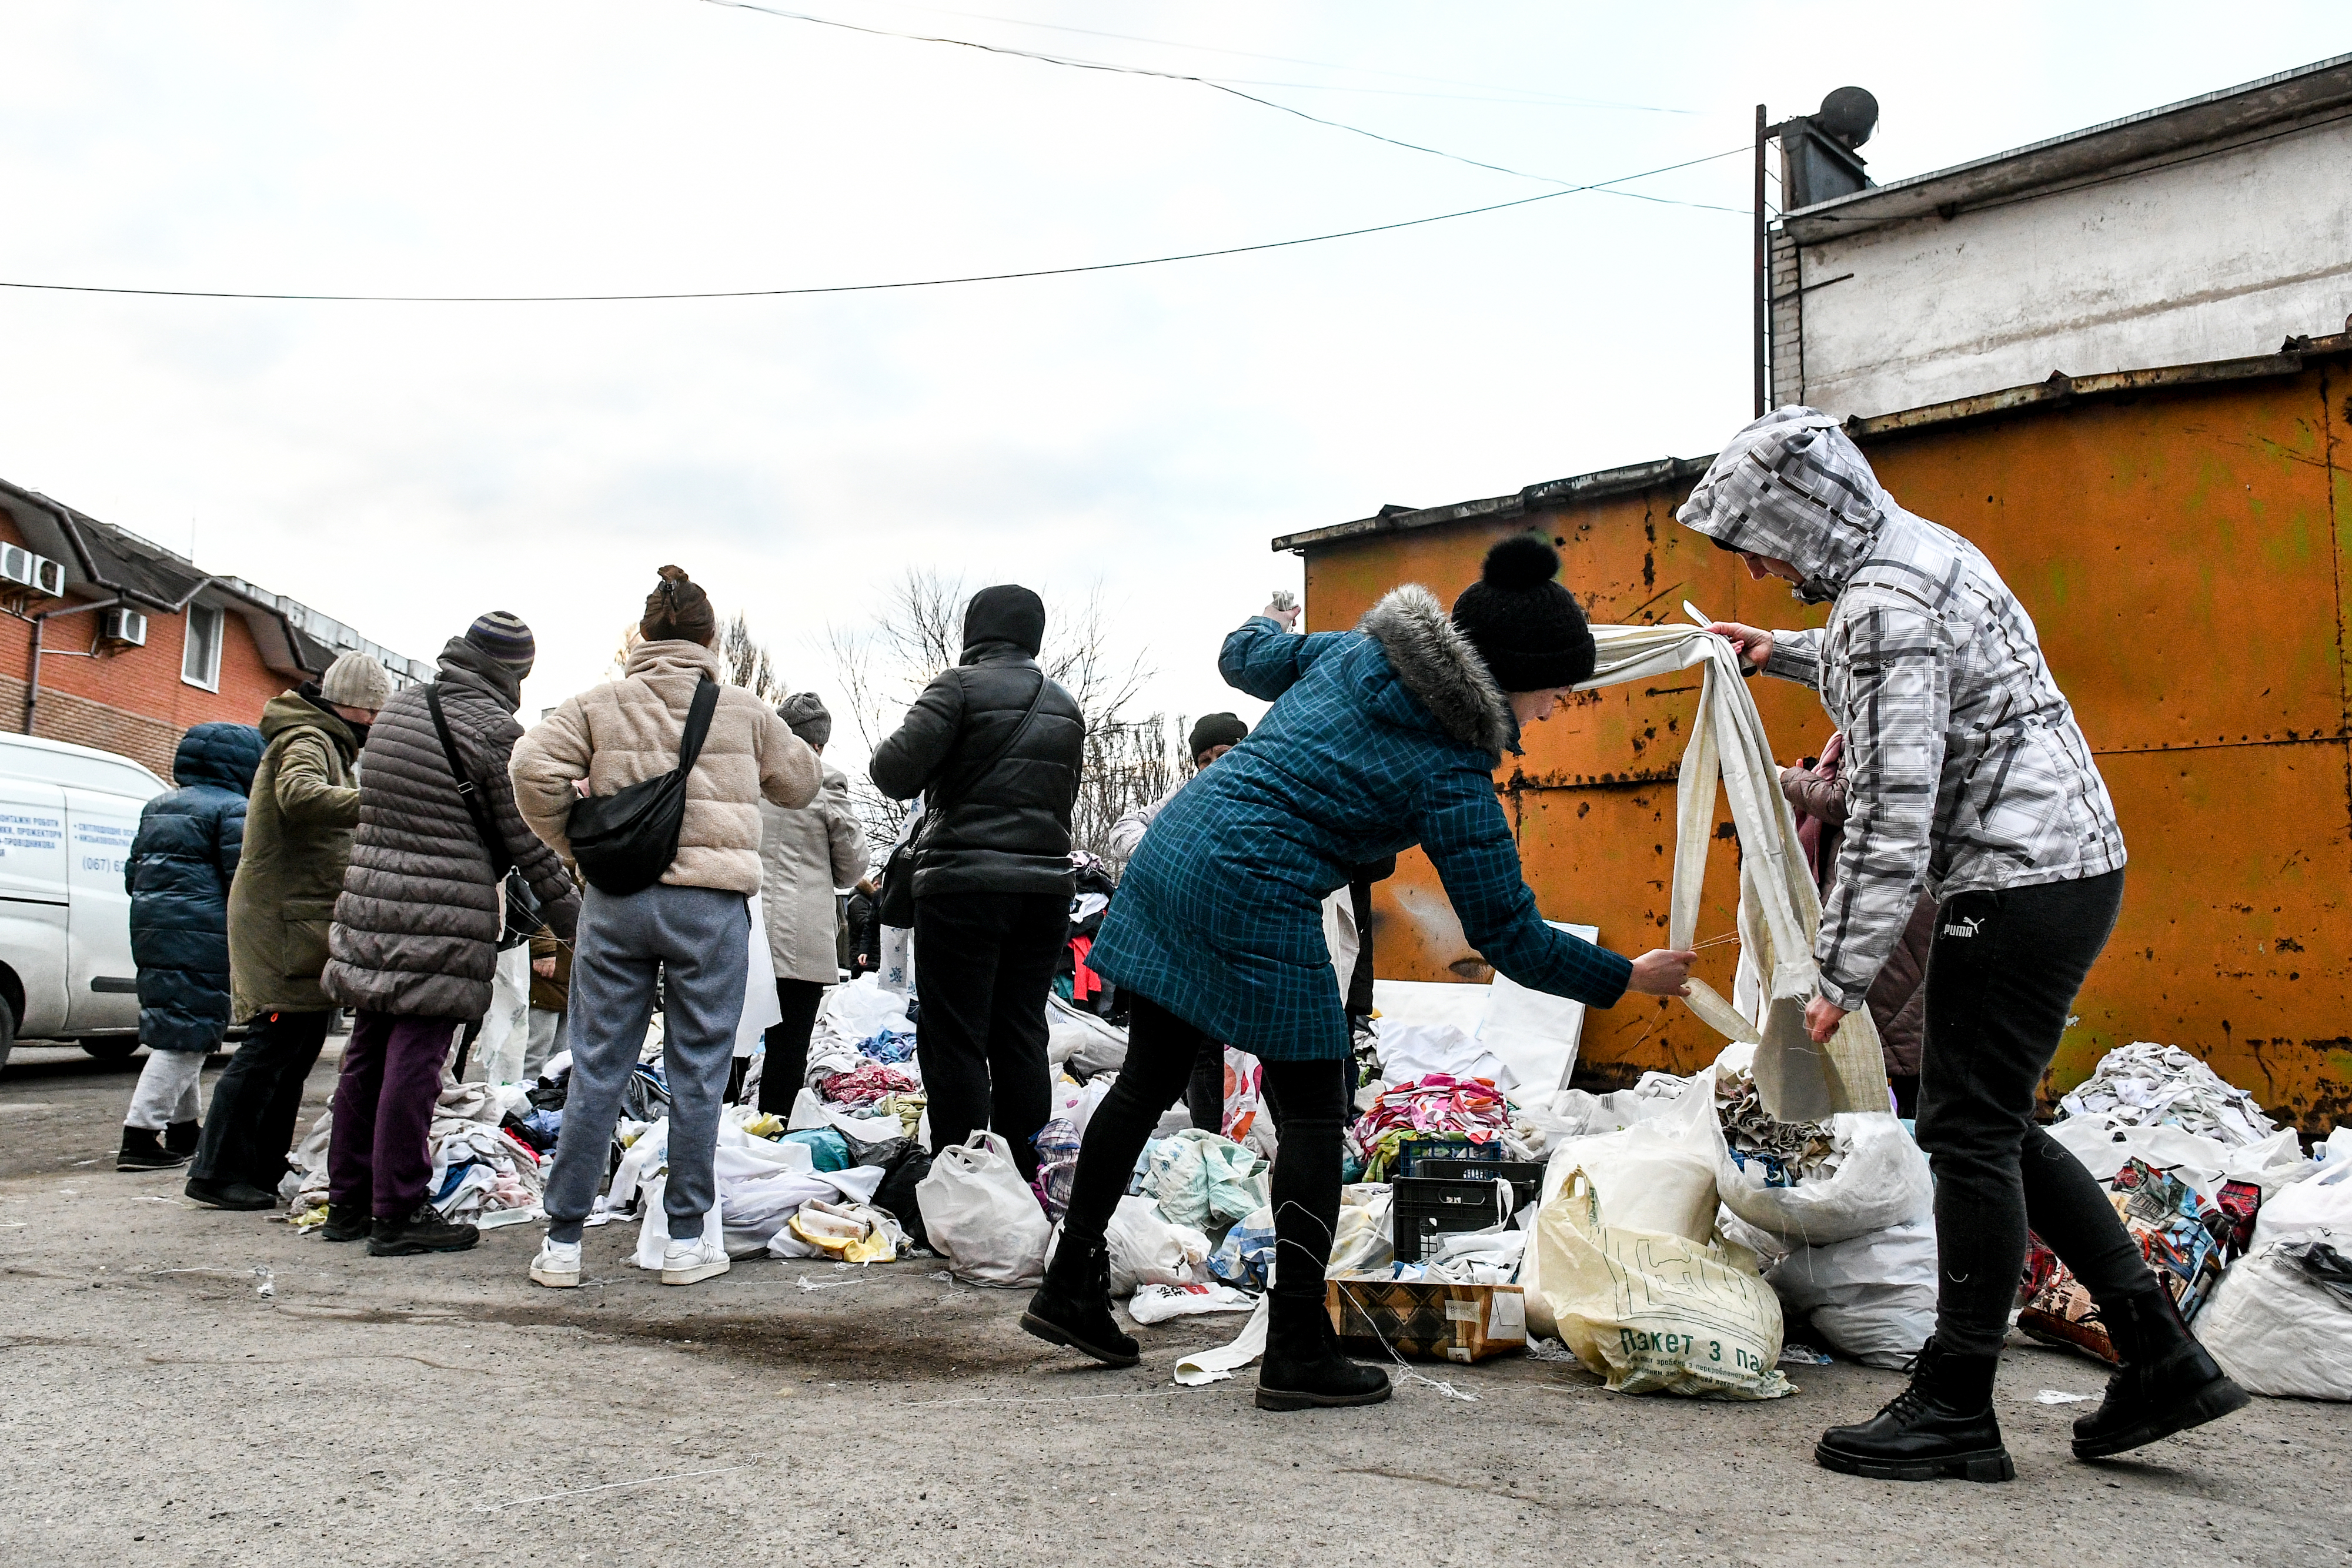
(1380, 739)
(178, 874)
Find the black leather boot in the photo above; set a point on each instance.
(182, 1137)
(2167, 1383)
(423, 1231)
(1940, 1428)
(143, 1150)
(1073, 1306)
(1303, 1369)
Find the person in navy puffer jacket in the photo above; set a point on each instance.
(178, 875)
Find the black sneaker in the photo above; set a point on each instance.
(338, 1228)
(238, 1195)
(423, 1231)
(143, 1150)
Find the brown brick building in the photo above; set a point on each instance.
(136, 643)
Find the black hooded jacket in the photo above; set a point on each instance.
(1003, 826)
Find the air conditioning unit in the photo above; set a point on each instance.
(127, 627)
(17, 564)
(48, 577)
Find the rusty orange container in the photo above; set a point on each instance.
(2183, 540)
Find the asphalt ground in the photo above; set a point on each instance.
(161, 1407)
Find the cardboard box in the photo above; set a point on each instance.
(1433, 1319)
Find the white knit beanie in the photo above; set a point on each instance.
(356, 680)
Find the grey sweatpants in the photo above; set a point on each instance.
(167, 1090)
(698, 940)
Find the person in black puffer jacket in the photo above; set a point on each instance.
(178, 874)
(993, 882)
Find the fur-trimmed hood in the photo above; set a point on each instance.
(1436, 663)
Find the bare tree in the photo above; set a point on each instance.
(883, 667)
(747, 662)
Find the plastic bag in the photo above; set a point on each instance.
(1882, 1181)
(2282, 1320)
(2317, 1209)
(981, 1215)
(1145, 1249)
(1245, 1257)
(1653, 1311)
(1872, 1297)
(1157, 1304)
(1203, 1179)
(1056, 1143)
(1361, 1244)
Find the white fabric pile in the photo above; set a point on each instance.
(2143, 1084)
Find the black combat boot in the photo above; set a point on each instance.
(1303, 1369)
(143, 1150)
(1940, 1428)
(2167, 1383)
(1073, 1306)
(423, 1231)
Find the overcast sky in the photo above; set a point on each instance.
(402, 467)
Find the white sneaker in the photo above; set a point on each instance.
(557, 1265)
(684, 1262)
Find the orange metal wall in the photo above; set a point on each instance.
(2182, 553)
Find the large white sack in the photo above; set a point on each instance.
(981, 1216)
(1145, 1249)
(1872, 1297)
(2278, 1331)
(2104, 1144)
(862, 1010)
(1656, 1175)
(1883, 1181)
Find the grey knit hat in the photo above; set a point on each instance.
(356, 680)
(805, 713)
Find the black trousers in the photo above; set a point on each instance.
(787, 1044)
(983, 963)
(1310, 1103)
(2002, 977)
(258, 1099)
(1204, 1091)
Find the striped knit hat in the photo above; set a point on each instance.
(502, 635)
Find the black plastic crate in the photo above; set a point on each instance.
(1524, 1175)
(1419, 1205)
(1412, 1152)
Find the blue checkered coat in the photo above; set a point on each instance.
(1379, 740)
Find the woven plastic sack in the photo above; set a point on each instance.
(2281, 1323)
(981, 1215)
(1871, 1297)
(1656, 1313)
(1882, 1182)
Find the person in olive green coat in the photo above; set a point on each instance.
(297, 840)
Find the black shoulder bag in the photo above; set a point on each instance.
(624, 841)
(522, 912)
(897, 905)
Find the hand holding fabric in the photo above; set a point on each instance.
(1754, 645)
(1663, 972)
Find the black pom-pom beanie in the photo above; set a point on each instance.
(1529, 629)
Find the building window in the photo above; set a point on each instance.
(200, 663)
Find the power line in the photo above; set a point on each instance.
(1604, 186)
(1210, 83)
(1529, 95)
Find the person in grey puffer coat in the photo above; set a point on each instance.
(807, 854)
(414, 941)
(178, 876)
(1966, 774)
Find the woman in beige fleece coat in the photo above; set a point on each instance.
(691, 929)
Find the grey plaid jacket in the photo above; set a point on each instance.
(1966, 771)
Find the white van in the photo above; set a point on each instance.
(68, 814)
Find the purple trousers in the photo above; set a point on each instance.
(378, 1155)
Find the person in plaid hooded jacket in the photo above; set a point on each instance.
(1967, 775)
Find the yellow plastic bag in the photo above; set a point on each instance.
(1653, 1312)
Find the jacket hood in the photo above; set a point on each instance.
(223, 755)
(1009, 614)
(472, 666)
(674, 656)
(292, 710)
(1793, 485)
(1436, 663)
